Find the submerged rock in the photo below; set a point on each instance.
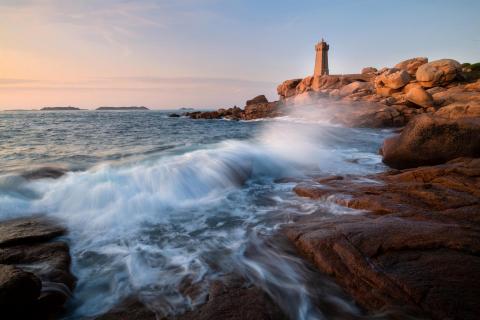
(417, 246)
(42, 173)
(257, 100)
(429, 140)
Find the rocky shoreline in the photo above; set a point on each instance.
(414, 246)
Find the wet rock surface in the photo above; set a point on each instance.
(231, 300)
(417, 245)
(43, 173)
(35, 271)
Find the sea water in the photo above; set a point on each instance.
(152, 202)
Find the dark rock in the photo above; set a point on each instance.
(130, 309)
(416, 249)
(174, 115)
(236, 303)
(23, 244)
(257, 99)
(262, 110)
(18, 288)
(429, 140)
(49, 261)
(28, 230)
(42, 173)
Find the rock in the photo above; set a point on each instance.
(420, 97)
(257, 99)
(385, 91)
(49, 261)
(174, 115)
(28, 230)
(262, 110)
(236, 303)
(411, 65)
(368, 70)
(438, 73)
(417, 246)
(204, 115)
(24, 244)
(474, 86)
(429, 140)
(288, 88)
(354, 87)
(230, 298)
(42, 173)
(304, 85)
(130, 309)
(459, 110)
(18, 289)
(326, 82)
(393, 78)
(456, 94)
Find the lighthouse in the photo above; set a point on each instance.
(321, 59)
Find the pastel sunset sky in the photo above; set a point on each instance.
(209, 53)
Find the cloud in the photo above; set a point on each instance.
(159, 84)
(116, 23)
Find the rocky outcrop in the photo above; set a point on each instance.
(429, 140)
(389, 97)
(262, 110)
(257, 100)
(35, 272)
(459, 110)
(256, 108)
(438, 73)
(392, 78)
(418, 96)
(411, 65)
(416, 247)
(288, 88)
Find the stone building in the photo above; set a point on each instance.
(321, 59)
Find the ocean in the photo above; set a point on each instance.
(152, 202)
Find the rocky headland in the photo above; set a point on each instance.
(415, 243)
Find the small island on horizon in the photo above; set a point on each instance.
(69, 108)
(122, 108)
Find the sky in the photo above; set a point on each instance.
(210, 53)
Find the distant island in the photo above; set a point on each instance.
(123, 108)
(59, 109)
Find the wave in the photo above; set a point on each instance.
(145, 226)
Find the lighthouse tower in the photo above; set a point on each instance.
(321, 59)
